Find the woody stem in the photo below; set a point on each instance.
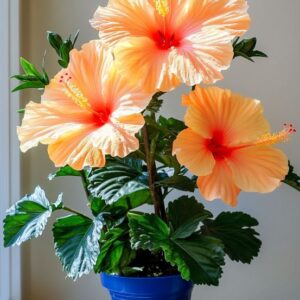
(156, 194)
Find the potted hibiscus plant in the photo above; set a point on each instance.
(100, 118)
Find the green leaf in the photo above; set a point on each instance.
(292, 179)
(172, 124)
(62, 47)
(64, 51)
(21, 111)
(116, 253)
(97, 206)
(119, 181)
(198, 258)
(54, 40)
(63, 63)
(28, 218)
(179, 182)
(24, 77)
(257, 53)
(77, 243)
(185, 214)
(246, 49)
(115, 214)
(235, 230)
(75, 38)
(29, 85)
(30, 69)
(203, 259)
(64, 171)
(45, 77)
(32, 77)
(244, 55)
(155, 104)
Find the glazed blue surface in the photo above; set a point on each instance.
(151, 288)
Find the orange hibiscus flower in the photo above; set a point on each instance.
(167, 42)
(86, 112)
(229, 146)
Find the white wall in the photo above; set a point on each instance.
(275, 275)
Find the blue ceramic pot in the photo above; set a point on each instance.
(148, 288)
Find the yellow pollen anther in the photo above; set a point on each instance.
(162, 7)
(76, 95)
(275, 138)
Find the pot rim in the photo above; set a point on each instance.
(142, 278)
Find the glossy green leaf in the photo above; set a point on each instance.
(235, 230)
(115, 214)
(77, 243)
(29, 85)
(185, 215)
(30, 69)
(246, 49)
(97, 206)
(62, 47)
(54, 40)
(64, 64)
(179, 182)
(292, 179)
(24, 77)
(257, 53)
(198, 258)
(116, 253)
(64, 52)
(32, 77)
(64, 171)
(28, 218)
(119, 180)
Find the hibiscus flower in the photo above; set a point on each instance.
(228, 144)
(86, 112)
(165, 42)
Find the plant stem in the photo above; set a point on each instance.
(73, 211)
(156, 194)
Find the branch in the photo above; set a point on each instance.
(156, 193)
(73, 211)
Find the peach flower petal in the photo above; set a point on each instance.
(219, 185)
(77, 151)
(89, 70)
(125, 95)
(120, 143)
(45, 123)
(202, 57)
(190, 42)
(229, 15)
(122, 19)
(87, 111)
(233, 130)
(214, 110)
(122, 139)
(259, 168)
(191, 152)
(151, 67)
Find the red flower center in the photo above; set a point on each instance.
(101, 117)
(217, 148)
(165, 41)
